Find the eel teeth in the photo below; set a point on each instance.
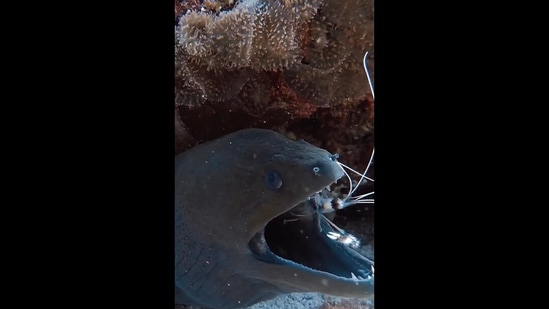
(355, 277)
(333, 235)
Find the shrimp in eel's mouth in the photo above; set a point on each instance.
(304, 238)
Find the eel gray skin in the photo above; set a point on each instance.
(226, 192)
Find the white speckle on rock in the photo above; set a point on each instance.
(293, 300)
(312, 301)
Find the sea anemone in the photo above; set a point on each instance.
(187, 90)
(327, 46)
(275, 46)
(194, 35)
(231, 34)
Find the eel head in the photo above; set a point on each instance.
(263, 221)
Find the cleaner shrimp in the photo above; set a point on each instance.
(315, 214)
(326, 202)
(329, 202)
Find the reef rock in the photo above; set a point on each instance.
(294, 66)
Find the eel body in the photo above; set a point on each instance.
(247, 230)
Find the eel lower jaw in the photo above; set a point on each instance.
(289, 276)
(258, 245)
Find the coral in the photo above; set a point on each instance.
(311, 40)
(232, 37)
(275, 45)
(270, 63)
(195, 35)
(187, 90)
(326, 48)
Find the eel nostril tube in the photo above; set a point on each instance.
(334, 157)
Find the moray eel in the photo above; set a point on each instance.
(247, 229)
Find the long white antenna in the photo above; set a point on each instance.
(365, 60)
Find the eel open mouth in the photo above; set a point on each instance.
(304, 238)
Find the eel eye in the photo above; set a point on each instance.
(273, 180)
